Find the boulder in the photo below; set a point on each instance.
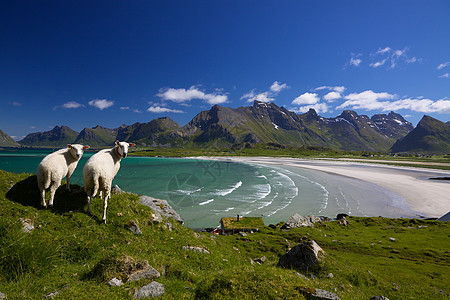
(2, 296)
(153, 289)
(312, 293)
(340, 216)
(148, 272)
(304, 256)
(116, 190)
(196, 249)
(134, 227)
(27, 225)
(297, 220)
(343, 221)
(115, 282)
(161, 207)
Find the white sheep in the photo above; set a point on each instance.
(54, 167)
(100, 170)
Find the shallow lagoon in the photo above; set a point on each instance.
(203, 191)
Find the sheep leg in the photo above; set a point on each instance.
(105, 205)
(89, 203)
(68, 182)
(53, 189)
(43, 198)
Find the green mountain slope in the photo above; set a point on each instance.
(59, 136)
(97, 137)
(429, 136)
(7, 141)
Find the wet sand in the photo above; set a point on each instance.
(431, 198)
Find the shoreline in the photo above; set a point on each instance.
(428, 197)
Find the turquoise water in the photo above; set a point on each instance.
(203, 191)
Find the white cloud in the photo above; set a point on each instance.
(443, 65)
(158, 109)
(369, 100)
(331, 96)
(261, 97)
(339, 89)
(276, 87)
(15, 103)
(124, 108)
(365, 100)
(101, 103)
(72, 104)
(378, 63)
(249, 95)
(183, 95)
(446, 75)
(355, 61)
(306, 98)
(384, 50)
(318, 107)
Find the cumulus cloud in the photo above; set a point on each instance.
(378, 63)
(318, 107)
(370, 100)
(306, 98)
(160, 109)
(355, 60)
(267, 96)
(339, 89)
(182, 95)
(72, 104)
(332, 96)
(276, 87)
(443, 65)
(101, 103)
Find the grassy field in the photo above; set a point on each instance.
(73, 254)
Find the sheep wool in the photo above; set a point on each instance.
(54, 167)
(100, 170)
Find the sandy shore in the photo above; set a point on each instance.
(428, 197)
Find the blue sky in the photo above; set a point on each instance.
(83, 63)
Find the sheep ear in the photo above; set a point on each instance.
(132, 144)
(69, 146)
(86, 147)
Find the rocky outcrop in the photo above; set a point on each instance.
(296, 221)
(312, 293)
(161, 207)
(305, 256)
(153, 289)
(203, 250)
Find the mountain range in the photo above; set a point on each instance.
(265, 123)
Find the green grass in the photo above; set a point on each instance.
(71, 252)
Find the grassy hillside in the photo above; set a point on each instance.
(72, 253)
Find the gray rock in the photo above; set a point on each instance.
(134, 227)
(196, 249)
(2, 296)
(379, 297)
(312, 293)
(27, 225)
(168, 226)
(242, 233)
(342, 221)
(115, 282)
(155, 218)
(297, 220)
(149, 272)
(301, 276)
(260, 260)
(161, 207)
(153, 289)
(116, 190)
(304, 256)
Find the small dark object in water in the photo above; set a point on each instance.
(440, 178)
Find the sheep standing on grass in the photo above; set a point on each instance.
(54, 167)
(100, 170)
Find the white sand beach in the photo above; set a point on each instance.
(431, 198)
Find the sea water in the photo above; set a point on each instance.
(203, 191)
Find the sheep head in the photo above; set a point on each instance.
(122, 148)
(76, 150)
